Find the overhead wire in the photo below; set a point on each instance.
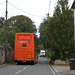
(50, 5)
(2, 3)
(23, 10)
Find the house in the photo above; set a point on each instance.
(73, 5)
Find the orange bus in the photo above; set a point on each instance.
(26, 48)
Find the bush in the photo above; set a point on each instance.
(48, 55)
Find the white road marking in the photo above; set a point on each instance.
(52, 70)
(59, 74)
(25, 68)
(18, 72)
(28, 65)
(56, 71)
(21, 70)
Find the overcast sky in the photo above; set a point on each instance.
(34, 9)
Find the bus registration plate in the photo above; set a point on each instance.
(23, 61)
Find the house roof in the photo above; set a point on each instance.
(73, 5)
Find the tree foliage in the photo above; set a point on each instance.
(2, 20)
(60, 31)
(42, 32)
(2, 33)
(21, 23)
(17, 24)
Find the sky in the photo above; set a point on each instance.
(34, 9)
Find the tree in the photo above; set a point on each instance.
(2, 36)
(42, 32)
(2, 20)
(18, 24)
(2, 32)
(21, 23)
(60, 32)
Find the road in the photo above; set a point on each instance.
(40, 68)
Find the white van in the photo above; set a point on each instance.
(42, 53)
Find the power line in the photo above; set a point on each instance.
(24, 11)
(2, 3)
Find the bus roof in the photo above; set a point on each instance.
(24, 33)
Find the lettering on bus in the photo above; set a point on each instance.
(24, 41)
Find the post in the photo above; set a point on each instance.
(6, 35)
(48, 18)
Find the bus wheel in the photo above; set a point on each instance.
(32, 62)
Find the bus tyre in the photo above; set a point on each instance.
(32, 62)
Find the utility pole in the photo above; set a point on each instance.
(6, 26)
(48, 18)
(74, 33)
(73, 7)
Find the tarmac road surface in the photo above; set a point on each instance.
(40, 68)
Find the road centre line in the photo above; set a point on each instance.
(18, 72)
(25, 68)
(51, 69)
(21, 70)
(28, 65)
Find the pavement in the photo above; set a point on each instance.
(63, 70)
(3, 65)
(6, 64)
